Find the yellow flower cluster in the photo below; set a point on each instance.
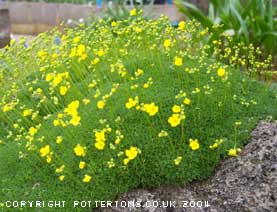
(131, 154)
(132, 102)
(178, 160)
(8, 107)
(46, 152)
(119, 68)
(151, 108)
(178, 115)
(79, 51)
(163, 134)
(70, 110)
(100, 138)
(216, 143)
(119, 137)
(109, 95)
(101, 103)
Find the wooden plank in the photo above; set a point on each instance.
(5, 29)
(44, 15)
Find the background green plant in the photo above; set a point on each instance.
(252, 20)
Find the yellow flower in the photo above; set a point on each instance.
(131, 102)
(178, 61)
(126, 161)
(27, 112)
(60, 169)
(56, 122)
(133, 12)
(117, 141)
(100, 136)
(163, 134)
(237, 123)
(187, 101)
(7, 107)
(72, 108)
(75, 120)
(48, 158)
(178, 160)
(82, 164)
(234, 152)
(63, 90)
(81, 49)
(204, 32)
(83, 56)
(57, 80)
(151, 109)
(194, 144)
(86, 101)
(214, 146)
(196, 90)
(221, 72)
(174, 120)
(79, 150)
(59, 139)
(99, 145)
(54, 56)
(61, 178)
(146, 85)
(76, 39)
(139, 72)
(111, 163)
(95, 61)
(100, 104)
(73, 52)
(42, 54)
(131, 153)
(114, 24)
(100, 52)
(176, 109)
(86, 178)
(32, 131)
(167, 43)
(181, 25)
(44, 151)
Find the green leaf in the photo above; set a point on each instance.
(243, 27)
(193, 13)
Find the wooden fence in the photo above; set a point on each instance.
(33, 18)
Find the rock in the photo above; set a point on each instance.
(245, 183)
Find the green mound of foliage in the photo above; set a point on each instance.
(92, 112)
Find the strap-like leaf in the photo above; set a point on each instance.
(243, 27)
(193, 12)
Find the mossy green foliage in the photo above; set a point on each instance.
(123, 79)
